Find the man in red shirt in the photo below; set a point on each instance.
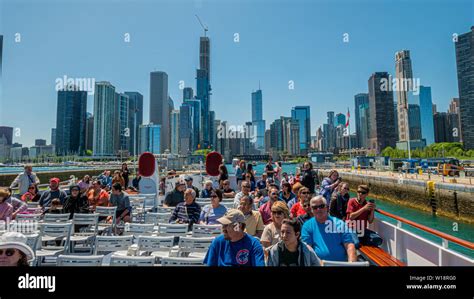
(359, 212)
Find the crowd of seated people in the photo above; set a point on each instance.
(287, 222)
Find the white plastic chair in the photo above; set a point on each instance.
(32, 241)
(30, 217)
(33, 204)
(52, 232)
(37, 210)
(194, 247)
(157, 218)
(87, 233)
(50, 218)
(142, 261)
(326, 263)
(203, 230)
(106, 212)
(107, 244)
(172, 229)
(79, 260)
(139, 229)
(158, 247)
(168, 210)
(182, 261)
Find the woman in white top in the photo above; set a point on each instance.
(271, 233)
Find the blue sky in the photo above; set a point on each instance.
(280, 41)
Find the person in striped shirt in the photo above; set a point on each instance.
(187, 211)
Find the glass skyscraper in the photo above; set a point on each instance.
(360, 99)
(303, 116)
(135, 118)
(257, 119)
(150, 139)
(465, 68)
(71, 121)
(159, 106)
(104, 120)
(426, 114)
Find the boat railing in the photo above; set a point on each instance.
(445, 238)
(416, 250)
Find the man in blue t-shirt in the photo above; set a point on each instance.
(234, 247)
(330, 237)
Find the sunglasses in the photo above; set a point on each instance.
(321, 206)
(346, 189)
(214, 195)
(277, 212)
(245, 186)
(306, 205)
(273, 193)
(304, 192)
(31, 188)
(8, 252)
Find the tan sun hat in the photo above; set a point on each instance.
(18, 241)
(232, 216)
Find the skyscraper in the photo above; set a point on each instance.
(135, 118)
(53, 136)
(159, 106)
(196, 121)
(185, 129)
(8, 133)
(203, 89)
(465, 67)
(6, 136)
(339, 119)
(359, 99)
(149, 139)
(71, 121)
(175, 132)
(257, 119)
(104, 143)
(122, 128)
(381, 115)
(426, 114)
(441, 128)
(414, 120)
(364, 126)
(303, 116)
(1, 54)
(188, 93)
(89, 131)
(404, 76)
(455, 109)
(203, 95)
(330, 133)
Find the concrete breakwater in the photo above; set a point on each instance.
(451, 200)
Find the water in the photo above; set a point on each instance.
(37, 169)
(464, 230)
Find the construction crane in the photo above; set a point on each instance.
(202, 25)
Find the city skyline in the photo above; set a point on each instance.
(278, 98)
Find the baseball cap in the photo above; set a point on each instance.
(54, 180)
(188, 178)
(232, 216)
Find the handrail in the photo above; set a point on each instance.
(442, 235)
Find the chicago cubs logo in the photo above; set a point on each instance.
(242, 256)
